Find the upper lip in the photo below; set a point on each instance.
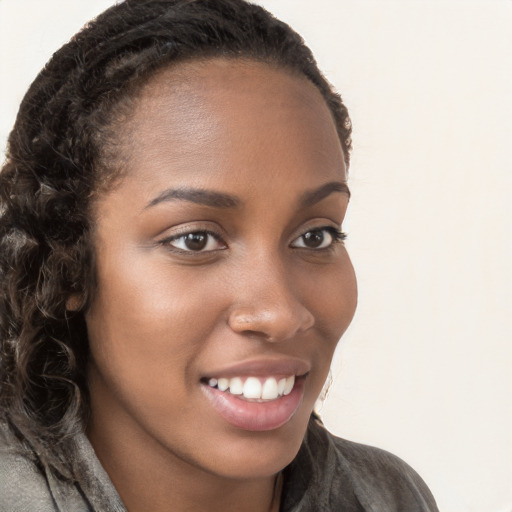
(282, 366)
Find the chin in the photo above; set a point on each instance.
(254, 455)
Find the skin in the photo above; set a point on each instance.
(163, 318)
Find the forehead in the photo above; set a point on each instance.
(217, 115)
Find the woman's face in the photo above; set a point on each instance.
(218, 265)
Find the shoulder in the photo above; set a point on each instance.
(379, 476)
(379, 480)
(24, 488)
(28, 485)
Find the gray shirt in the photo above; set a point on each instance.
(328, 474)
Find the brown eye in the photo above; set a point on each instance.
(196, 241)
(313, 239)
(318, 238)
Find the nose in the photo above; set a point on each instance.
(266, 304)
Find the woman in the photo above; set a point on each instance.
(174, 281)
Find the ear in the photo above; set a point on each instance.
(74, 302)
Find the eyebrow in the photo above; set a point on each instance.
(221, 200)
(195, 195)
(315, 196)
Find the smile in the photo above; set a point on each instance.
(259, 389)
(255, 403)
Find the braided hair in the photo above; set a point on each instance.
(62, 154)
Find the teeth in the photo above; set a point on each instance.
(222, 384)
(255, 388)
(280, 386)
(290, 381)
(269, 391)
(252, 388)
(236, 386)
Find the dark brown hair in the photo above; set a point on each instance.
(60, 154)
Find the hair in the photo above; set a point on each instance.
(61, 155)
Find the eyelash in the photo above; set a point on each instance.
(181, 236)
(336, 235)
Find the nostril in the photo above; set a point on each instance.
(280, 323)
(254, 334)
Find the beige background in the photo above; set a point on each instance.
(425, 370)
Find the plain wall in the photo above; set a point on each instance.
(425, 369)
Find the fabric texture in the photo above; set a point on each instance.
(328, 474)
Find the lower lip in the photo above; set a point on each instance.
(256, 416)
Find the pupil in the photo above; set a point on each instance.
(313, 239)
(196, 241)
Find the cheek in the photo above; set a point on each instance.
(147, 329)
(346, 293)
(148, 293)
(150, 320)
(332, 295)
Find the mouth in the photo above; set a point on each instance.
(254, 389)
(255, 402)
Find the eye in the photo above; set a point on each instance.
(195, 241)
(320, 238)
